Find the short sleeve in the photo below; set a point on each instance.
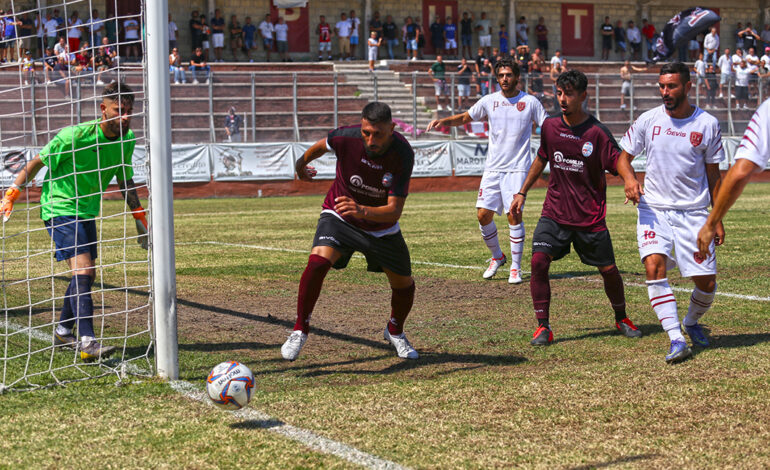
(54, 151)
(538, 113)
(330, 140)
(400, 186)
(754, 145)
(633, 140)
(610, 154)
(715, 152)
(478, 111)
(541, 152)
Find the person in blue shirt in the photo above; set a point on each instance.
(450, 37)
(249, 30)
(503, 35)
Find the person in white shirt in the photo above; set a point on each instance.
(510, 113)
(131, 34)
(282, 38)
(374, 44)
(342, 30)
(354, 24)
(683, 144)
(74, 31)
(634, 37)
(700, 73)
(751, 157)
(556, 59)
(743, 75)
(60, 46)
(484, 28)
(97, 28)
(725, 65)
(711, 46)
(50, 26)
(172, 32)
(266, 30)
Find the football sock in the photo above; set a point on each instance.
(82, 304)
(489, 232)
(613, 287)
(67, 316)
(540, 287)
(664, 303)
(517, 244)
(309, 290)
(700, 302)
(401, 304)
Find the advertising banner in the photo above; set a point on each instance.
(248, 162)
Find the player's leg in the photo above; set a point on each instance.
(549, 242)
(489, 202)
(402, 298)
(510, 185)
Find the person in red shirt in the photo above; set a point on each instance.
(579, 149)
(648, 31)
(361, 213)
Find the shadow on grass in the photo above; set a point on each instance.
(257, 424)
(601, 332)
(610, 463)
(212, 347)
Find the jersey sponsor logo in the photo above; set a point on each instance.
(558, 157)
(521, 105)
(371, 164)
(567, 164)
(387, 180)
(358, 186)
(588, 149)
(698, 258)
(496, 104)
(568, 136)
(675, 133)
(696, 138)
(356, 181)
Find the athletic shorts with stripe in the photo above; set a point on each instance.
(554, 239)
(497, 189)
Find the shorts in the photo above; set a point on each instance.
(267, 43)
(218, 39)
(353, 40)
(236, 43)
(741, 92)
(659, 231)
(606, 42)
(450, 44)
(411, 44)
(724, 78)
(466, 39)
(282, 46)
(463, 90)
(485, 41)
(625, 88)
(325, 46)
(205, 45)
(554, 239)
(497, 189)
(388, 252)
(620, 45)
(699, 80)
(72, 236)
(542, 44)
(439, 86)
(344, 45)
(373, 53)
(249, 43)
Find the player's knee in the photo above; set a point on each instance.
(705, 283)
(485, 216)
(540, 264)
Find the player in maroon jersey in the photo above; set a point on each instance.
(360, 213)
(579, 150)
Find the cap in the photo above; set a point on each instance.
(767, 49)
(27, 53)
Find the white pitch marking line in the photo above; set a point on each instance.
(303, 436)
(458, 266)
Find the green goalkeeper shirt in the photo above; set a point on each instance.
(81, 163)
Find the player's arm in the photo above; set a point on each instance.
(13, 193)
(714, 177)
(451, 121)
(534, 173)
(128, 188)
(633, 188)
(305, 172)
(389, 213)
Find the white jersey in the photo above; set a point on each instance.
(510, 128)
(754, 145)
(724, 65)
(677, 153)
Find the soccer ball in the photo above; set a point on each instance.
(229, 385)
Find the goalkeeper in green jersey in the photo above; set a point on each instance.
(81, 161)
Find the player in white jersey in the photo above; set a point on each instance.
(510, 113)
(751, 157)
(684, 147)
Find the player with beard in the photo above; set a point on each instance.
(579, 150)
(81, 161)
(360, 213)
(510, 113)
(684, 147)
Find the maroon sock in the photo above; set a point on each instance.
(401, 304)
(540, 287)
(309, 290)
(613, 287)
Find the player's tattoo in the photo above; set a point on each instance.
(129, 194)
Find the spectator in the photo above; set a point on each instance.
(354, 25)
(27, 33)
(484, 29)
(478, 64)
(282, 38)
(739, 33)
(205, 35)
(342, 30)
(420, 37)
(111, 29)
(536, 64)
(607, 31)
(634, 37)
(438, 73)
(750, 37)
(266, 30)
(541, 32)
(556, 60)
(390, 32)
(375, 24)
(764, 69)
(751, 57)
(40, 28)
(486, 77)
(648, 31)
(412, 37)
(765, 36)
(765, 59)
(711, 86)
(197, 64)
(74, 31)
(464, 75)
(437, 35)
(725, 64)
(495, 56)
(172, 34)
(522, 30)
(28, 67)
(522, 59)
(102, 62)
(218, 34)
(195, 30)
(83, 59)
(753, 61)
(51, 67)
(131, 34)
(97, 29)
(743, 73)
(711, 46)
(60, 47)
(737, 58)
(233, 126)
(450, 37)
(324, 32)
(175, 64)
(9, 44)
(58, 17)
(249, 30)
(236, 36)
(620, 39)
(700, 73)
(503, 37)
(374, 44)
(466, 34)
(64, 62)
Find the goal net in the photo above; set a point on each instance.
(53, 74)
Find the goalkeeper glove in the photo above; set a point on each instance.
(6, 205)
(141, 226)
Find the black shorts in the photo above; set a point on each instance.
(389, 252)
(741, 92)
(552, 238)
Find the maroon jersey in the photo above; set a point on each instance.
(578, 157)
(368, 180)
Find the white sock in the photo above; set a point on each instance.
(61, 330)
(517, 244)
(700, 302)
(664, 303)
(86, 340)
(489, 232)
